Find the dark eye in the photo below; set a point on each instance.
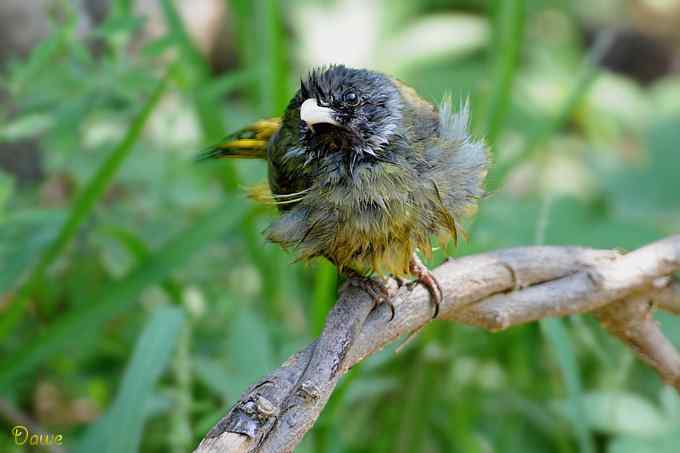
(350, 98)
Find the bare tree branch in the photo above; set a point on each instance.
(669, 298)
(494, 290)
(631, 321)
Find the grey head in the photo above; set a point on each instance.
(351, 114)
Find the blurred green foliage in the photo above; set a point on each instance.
(138, 282)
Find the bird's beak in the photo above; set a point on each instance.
(312, 113)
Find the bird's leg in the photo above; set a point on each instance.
(425, 278)
(375, 287)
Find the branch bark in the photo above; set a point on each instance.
(494, 291)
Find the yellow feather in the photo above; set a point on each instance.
(260, 193)
(244, 143)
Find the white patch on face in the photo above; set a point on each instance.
(386, 128)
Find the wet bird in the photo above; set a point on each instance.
(364, 172)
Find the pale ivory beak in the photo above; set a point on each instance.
(312, 113)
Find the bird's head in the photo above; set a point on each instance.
(351, 111)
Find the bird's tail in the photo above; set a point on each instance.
(247, 143)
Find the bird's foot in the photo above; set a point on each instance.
(400, 281)
(428, 280)
(375, 287)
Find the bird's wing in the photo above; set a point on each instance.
(247, 143)
(421, 118)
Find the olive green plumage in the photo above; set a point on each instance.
(372, 173)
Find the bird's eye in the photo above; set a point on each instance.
(350, 98)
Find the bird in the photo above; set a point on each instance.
(364, 172)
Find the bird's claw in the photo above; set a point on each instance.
(428, 280)
(376, 288)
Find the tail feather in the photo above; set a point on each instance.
(247, 143)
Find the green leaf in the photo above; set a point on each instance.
(575, 222)
(39, 60)
(214, 376)
(370, 389)
(649, 188)
(509, 36)
(118, 297)
(325, 284)
(505, 220)
(25, 126)
(23, 236)
(670, 402)
(96, 187)
(670, 325)
(558, 338)
(221, 86)
(265, 52)
(120, 430)
(580, 89)
(612, 412)
(667, 443)
(139, 251)
(250, 353)
(272, 47)
(121, 24)
(436, 36)
(83, 205)
(189, 51)
(6, 191)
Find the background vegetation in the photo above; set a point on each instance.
(138, 298)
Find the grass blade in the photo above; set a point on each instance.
(186, 46)
(139, 251)
(120, 295)
(203, 90)
(558, 339)
(325, 285)
(82, 207)
(23, 236)
(556, 334)
(265, 51)
(180, 436)
(509, 37)
(571, 103)
(100, 181)
(120, 430)
(271, 47)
